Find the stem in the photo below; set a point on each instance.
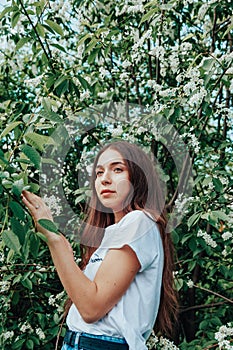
(37, 35)
(214, 293)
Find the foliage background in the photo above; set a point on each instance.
(172, 57)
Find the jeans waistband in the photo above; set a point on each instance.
(95, 342)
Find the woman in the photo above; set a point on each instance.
(127, 279)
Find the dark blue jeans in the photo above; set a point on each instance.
(116, 342)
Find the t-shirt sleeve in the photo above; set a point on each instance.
(140, 233)
(148, 248)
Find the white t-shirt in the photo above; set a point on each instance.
(134, 315)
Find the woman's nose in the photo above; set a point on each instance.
(106, 178)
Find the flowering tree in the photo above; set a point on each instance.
(169, 64)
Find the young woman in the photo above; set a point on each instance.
(126, 283)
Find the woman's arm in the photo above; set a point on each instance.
(94, 299)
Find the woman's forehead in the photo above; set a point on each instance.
(110, 156)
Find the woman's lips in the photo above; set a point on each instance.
(107, 192)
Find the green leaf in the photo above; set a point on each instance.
(84, 38)
(148, 15)
(48, 225)
(217, 184)
(18, 344)
(84, 83)
(40, 30)
(21, 43)
(220, 215)
(56, 27)
(9, 128)
(59, 47)
(32, 154)
(5, 11)
(15, 18)
(18, 229)
(188, 36)
(175, 237)
(11, 241)
(34, 245)
(60, 80)
(193, 219)
(50, 115)
(38, 141)
(91, 45)
(30, 344)
(42, 237)
(17, 210)
(27, 283)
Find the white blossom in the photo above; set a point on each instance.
(34, 82)
(40, 333)
(224, 252)
(190, 284)
(4, 286)
(8, 335)
(85, 140)
(117, 131)
(207, 238)
(126, 64)
(53, 203)
(167, 344)
(26, 327)
(158, 51)
(84, 95)
(227, 235)
(103, 94)
(182, 202)
(197, 98)
(224, 332)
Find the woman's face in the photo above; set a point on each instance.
(112, 181)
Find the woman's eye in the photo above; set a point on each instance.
(118, 170)
(99, 173)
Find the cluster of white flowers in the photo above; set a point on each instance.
(26, 327)
(40, 333)
(140, 42)
(103, 94)
(55, 300)
(197, 98)
(34, 82)
(207, 238)
(103, 72)
(4, 286)
(161, 343)
(192, 140)
(84, 95)
(224, 332)
(182, 202)
(53, 203)
(135, 7)
(8, 335)
(61, 8)
(190, 283)
(227, 235)
(224, 180)
(158, 51)
(167, 344)
(152, 341)
(116, 132)
(2, 258)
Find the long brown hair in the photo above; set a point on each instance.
(147, 196)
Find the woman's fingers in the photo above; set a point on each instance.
(36, 205)
(38, 210)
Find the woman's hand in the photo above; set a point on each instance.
(38, 210)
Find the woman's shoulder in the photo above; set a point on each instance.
(135, 216)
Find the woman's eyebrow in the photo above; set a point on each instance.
(111, 164)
